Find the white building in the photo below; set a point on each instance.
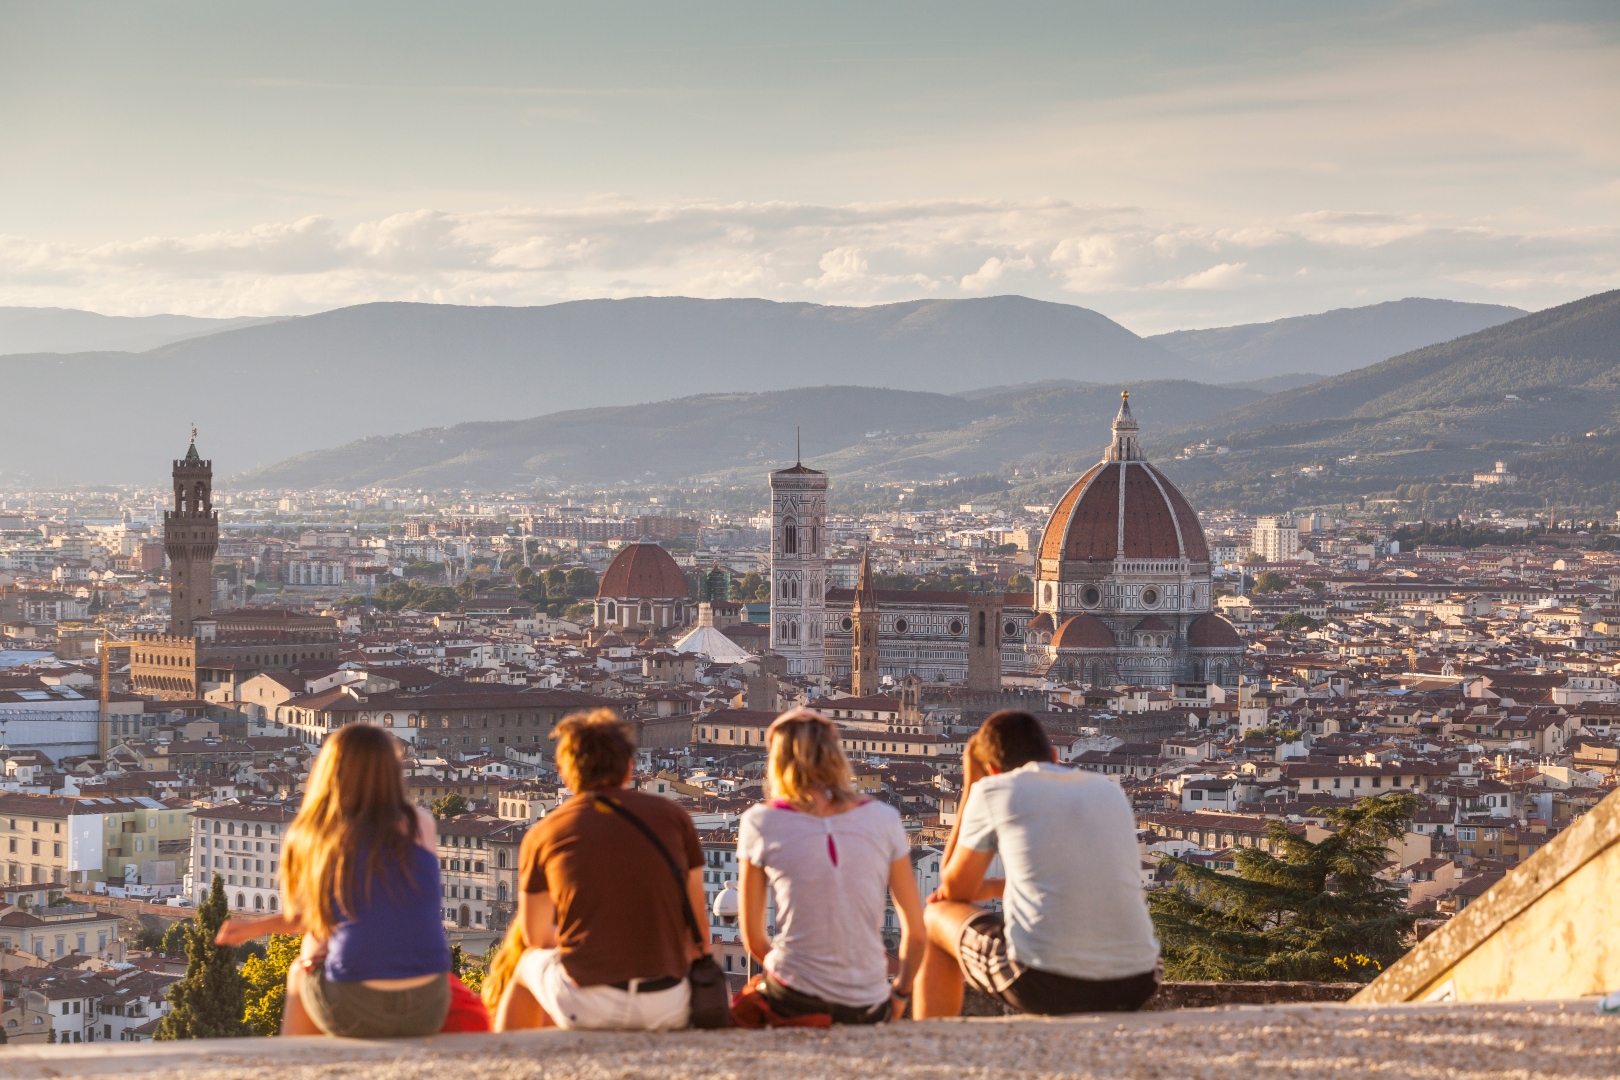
(240, 843)
(1275, 539)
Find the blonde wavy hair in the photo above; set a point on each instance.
(806, 757)
(503, 965)
(354, 805)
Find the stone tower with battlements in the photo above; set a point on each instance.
(798, 568)
(190, 538)
(865, 673)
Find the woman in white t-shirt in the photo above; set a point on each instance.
(830, 857)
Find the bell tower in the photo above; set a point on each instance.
(190, 538)
(798, 568)
(865, 668)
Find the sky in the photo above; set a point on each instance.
(1172, 165)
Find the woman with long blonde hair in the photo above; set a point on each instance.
(360, 881)
(831, 858)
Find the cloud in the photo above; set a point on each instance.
(1147, 269)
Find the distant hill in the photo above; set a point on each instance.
(1541, 390)
(263, 393)
(853, 432)
(66, 330)
(1330, 343)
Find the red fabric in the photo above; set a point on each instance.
(750, 1009)
(467, 1012)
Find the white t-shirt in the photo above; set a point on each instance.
(830, 876)
(1067, 839)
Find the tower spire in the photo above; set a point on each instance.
(798, 447)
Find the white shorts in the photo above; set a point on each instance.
(540, 971)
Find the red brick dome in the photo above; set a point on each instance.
(643, 571)
(1083, 632)
(1151, 521)
(1210, 631)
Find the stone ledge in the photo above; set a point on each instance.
(1461, 1042)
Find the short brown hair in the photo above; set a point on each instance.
(593, 750)
(1010, 738)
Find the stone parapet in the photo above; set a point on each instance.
(1547, 1041)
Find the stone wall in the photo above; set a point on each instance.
(1202, 995)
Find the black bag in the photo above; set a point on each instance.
(711, 996)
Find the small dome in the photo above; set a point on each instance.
(643, 571)
(1151, 625)
(1040, 624)
(1083, 632)
(1210, 631)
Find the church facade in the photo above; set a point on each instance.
(1123, 594)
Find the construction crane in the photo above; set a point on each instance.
(104, 728)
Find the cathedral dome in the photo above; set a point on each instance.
(1123, 507)
(1083, 632)
(643, 571)
(1210, 631)
(1152, 521)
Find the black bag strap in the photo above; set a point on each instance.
(698, 937)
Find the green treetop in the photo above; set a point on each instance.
(1314, 912)
(207, 1003)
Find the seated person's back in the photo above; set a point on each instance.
(1067, 840)
(619, 916)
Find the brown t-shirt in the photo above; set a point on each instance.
(619, 913)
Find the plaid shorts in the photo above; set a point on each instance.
(982, 951)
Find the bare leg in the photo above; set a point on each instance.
(294, 1017)
(939, 980)
(518, 1009)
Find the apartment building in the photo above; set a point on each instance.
(478, 857)
(241, 843)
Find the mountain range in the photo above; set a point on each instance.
(1334, 341)
(1542, 391)
(280, 388)
(1525, 390)
(68, 330)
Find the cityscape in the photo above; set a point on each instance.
(1291, 556)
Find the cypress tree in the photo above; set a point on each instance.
(208, 1002)
(1314, 912)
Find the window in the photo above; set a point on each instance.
(790, 537)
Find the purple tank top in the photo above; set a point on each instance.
(398, 934)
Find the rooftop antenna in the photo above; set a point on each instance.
(798, 447)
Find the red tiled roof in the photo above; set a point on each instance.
(643, 571)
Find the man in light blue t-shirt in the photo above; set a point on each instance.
(1074, 933)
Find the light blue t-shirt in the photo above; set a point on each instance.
(1067, 839)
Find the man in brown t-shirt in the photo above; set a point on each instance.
(609, 944)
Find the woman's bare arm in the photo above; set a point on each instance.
(237, 929)
(752, 890)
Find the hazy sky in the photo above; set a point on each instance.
(1171, 165)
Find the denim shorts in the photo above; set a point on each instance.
(358, 1011)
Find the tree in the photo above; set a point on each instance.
(152, 939)
(1305, 911)
(207, 1002)
(1297, 620)
(265, 979)
(1020, 583)
(1269, 581)
(449, 805)
(174, 939)
(581, 582)
(750, 588)
(1316, 585)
